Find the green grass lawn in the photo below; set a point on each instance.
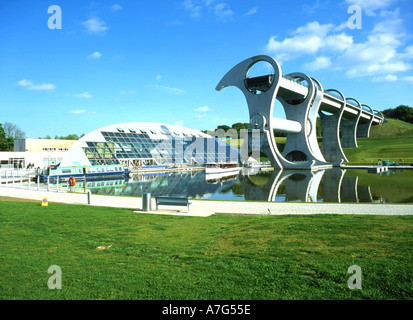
(384, 148)
(219, 257)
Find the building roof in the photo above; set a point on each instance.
(123, 134)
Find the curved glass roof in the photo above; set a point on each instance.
(144, 143)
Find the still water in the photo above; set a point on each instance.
(330, 185)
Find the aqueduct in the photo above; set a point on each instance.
(303, 99)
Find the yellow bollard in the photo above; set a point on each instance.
(45, 203)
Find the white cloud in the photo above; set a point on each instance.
(200, 116)
(309, 39)
(408, 79)
(167, 89)
(128, 92)
(378, 55)
(387, 78)
(116, 7)
(203, 109)
(192, 8)
(319, 63)
(370, 6)
(197, 8)
(252, 11)
(29, 85)
(84, 95)
(78, 111)
(94, 55)
(310, 9)
(95, 26)
(408, 53)
(223, 12)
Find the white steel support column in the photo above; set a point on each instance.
(349, 128)
(331, 145)
(363, 128)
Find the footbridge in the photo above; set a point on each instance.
(303, 98)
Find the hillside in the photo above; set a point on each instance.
(391, 128)
(393, 140)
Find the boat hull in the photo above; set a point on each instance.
(91, 176)
(89, 173)
(233, 170)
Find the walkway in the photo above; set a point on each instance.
(204, 208)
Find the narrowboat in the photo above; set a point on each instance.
(90, 172)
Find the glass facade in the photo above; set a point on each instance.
(138, 148)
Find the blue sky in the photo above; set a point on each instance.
(160, 61)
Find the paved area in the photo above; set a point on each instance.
(204, 208)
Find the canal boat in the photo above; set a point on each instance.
(53, 173)
(222, 168)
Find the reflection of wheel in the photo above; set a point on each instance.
(72, 181)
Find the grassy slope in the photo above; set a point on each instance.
(392, 128)
(391, 141)
(219, 257)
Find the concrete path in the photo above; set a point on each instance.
(204, 208)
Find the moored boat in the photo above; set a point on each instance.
(230, 167)
(90, 172)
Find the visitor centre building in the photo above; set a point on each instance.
(145, 144)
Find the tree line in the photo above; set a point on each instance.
(402, 112)
(68, 137)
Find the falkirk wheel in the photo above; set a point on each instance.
(303, 99)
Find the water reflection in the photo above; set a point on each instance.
(330, 185)
(307, 186)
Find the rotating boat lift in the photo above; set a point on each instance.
(303, 98)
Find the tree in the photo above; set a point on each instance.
(239, 126)
(223, 127)
(6, 143)
(13, 131)
(402, 112)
